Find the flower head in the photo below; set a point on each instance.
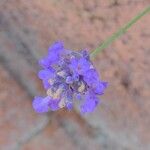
(68, 76)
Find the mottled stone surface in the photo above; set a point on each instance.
(18, 122)
(28, 27)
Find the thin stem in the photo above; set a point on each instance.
(120, 32)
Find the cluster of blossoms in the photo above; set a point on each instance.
(68, 76)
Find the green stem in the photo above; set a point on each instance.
(120, 32)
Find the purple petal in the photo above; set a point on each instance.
(46, 84)
(55, 51)
(53, 104)
(56, 47)
(91, 101)
(105, 84)
(84, 65)
(100, 87)
(40, 104)
(45, 62)
(73, 64)
(91, 77)
(53, 55)
(46, 74)
(79, 66)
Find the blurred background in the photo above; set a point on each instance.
(27, 28)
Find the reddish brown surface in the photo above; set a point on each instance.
(27, 28)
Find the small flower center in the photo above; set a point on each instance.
(81, 88)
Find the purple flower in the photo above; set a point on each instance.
(68, 76)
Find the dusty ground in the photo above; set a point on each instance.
(27, 28)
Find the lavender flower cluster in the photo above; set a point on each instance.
(68, 76)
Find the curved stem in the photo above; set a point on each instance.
(119, 32)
